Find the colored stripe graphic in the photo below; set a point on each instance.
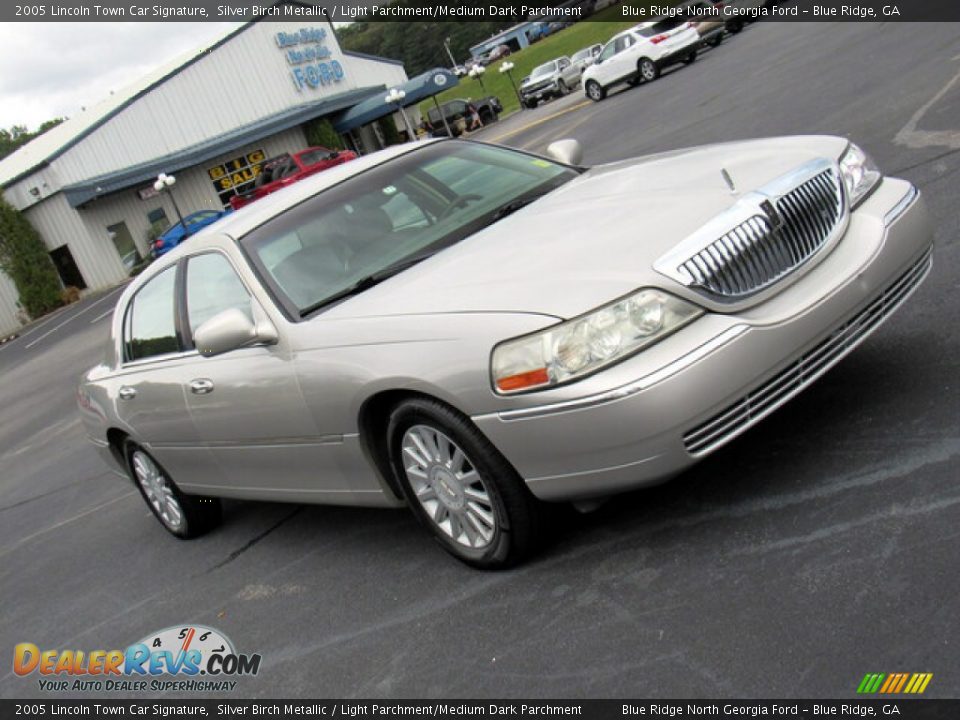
(894, 683)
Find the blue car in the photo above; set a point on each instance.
(176, 234)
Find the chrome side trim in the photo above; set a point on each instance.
(630, 388)
(902, 206)
(757, 404)
(267, 442)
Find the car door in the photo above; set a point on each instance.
(569, 72)
(247, 405)
(148, 386)
(623, 64)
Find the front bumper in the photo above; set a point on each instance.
(540, 93)
(650, 417)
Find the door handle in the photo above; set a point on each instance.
(127, 393)
(201, 387)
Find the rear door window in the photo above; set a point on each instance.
(151, 327)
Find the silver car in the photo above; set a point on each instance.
(473, 331)
(551, 80)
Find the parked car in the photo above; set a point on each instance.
(286, 169)
(455, 111)
(639, 54)
(499, 52)
(473, 330)
(584, 58)
(551, 80)
(180, 231)
(477, 60)
(712, 27)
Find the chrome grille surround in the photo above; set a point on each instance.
(760, 402)
(768, 234)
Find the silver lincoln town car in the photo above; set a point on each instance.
(471, 330)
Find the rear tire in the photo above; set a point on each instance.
(183, 516)
(735, 26)
(715, 42)
(647, 70)
(594, 91)
(459, 486)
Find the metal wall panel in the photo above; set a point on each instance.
(9, 323)
(237, 84)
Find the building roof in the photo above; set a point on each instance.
(56, 141)
(417, 88)
(80, 193)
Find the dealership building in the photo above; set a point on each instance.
(209, 119)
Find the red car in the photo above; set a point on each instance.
(287, 169)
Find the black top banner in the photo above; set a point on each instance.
(592, 709)
(474, 10)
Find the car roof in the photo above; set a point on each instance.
(238, 223)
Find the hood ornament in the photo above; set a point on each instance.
(728, 180)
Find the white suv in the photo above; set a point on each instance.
(639, 54)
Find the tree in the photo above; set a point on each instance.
(18, 136)
(320, 132)
(24, 257)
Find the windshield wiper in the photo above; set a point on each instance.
(512, 206)
(366, 282)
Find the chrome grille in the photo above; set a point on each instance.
(756, 405)
(764, 248)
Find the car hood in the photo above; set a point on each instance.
(527, 81)
(592, 240)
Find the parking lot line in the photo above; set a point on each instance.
(102, 316)
(24, 540)
(72, 317)
(540, 121)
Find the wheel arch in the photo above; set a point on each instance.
(372, 422)
(116, 439)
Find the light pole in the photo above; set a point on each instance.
(477, 72)
(395, 97)
(506, 67)
(446, 45)
(163, 183)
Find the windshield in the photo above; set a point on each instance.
(404, 209)
(545, 69)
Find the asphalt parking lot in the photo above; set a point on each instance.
(818, 547)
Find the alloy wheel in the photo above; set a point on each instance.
(448, 487)
(157, 489)
(648, 70)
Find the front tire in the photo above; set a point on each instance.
(648, 70)
(715, 42)
(562, 88)
(184, 516)
(594, 91)
(689, 59)
(460, 487)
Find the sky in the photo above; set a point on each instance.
(50, 70)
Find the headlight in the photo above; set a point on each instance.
(581, 346)
(860, 174)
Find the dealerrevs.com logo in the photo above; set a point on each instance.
(181, 658)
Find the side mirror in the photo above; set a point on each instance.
(232, 330)
(568, 152)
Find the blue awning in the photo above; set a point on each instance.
(417, 88)
(80, 193)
